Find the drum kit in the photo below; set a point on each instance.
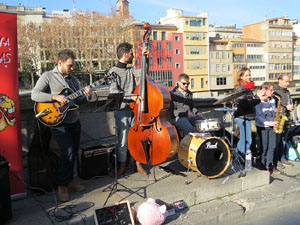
(206, 154)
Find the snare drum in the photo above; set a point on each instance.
(210, 156)
(207, 125)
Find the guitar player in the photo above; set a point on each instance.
(67, 133)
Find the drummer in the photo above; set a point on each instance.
(182, 112)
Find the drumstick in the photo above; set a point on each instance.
(205, 112)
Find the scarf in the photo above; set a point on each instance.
(248, 85)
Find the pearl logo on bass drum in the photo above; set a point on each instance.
(209, 145)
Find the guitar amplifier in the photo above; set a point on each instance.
(93, 161)
(5, 201)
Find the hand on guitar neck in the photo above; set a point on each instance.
(63, 99)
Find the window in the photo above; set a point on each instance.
(254, 58)
(221, 81)
(192, 83)
(195, 50)
(169, 60)
(177, 51)
(217, 55)
(239, 66)
(169, 45)
(238, 57)
(195, 36)
(150, 46)
(237, 45)
(154, 35)
(163, 35)
(177, 65)
(202, 82)
(195, 22)
(159, 61)
(163, 77)
(217, 68)
(150, 61)
(159, 46)
(223, 67)
(176, 38)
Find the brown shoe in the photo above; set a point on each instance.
(140, 168)
(274, 170)
(62, 192)
(76, 187)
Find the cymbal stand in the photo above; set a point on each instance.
(235, 156)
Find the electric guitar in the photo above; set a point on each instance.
(53, 113)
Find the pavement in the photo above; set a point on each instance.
(222, 200)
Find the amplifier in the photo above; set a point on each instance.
(5, 201)
(93, 161)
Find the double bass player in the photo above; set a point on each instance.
(125, 83)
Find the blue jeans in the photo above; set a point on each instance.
(245, 134)
(280, 152)
(67, 136)
(186, 124)
(124, 120)
(267, 138)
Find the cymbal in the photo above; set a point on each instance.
(224, 109)
(231, 97)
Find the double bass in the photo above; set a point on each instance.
(152, 139)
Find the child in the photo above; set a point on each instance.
(264, 121)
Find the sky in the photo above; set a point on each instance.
(220, 12)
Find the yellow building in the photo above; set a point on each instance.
(195, 45)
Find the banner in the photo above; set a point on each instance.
(10, 124)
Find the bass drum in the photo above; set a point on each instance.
(210, 156)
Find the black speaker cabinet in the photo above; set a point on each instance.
(93, 161)
(5, 201)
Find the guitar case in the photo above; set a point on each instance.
(43, 162)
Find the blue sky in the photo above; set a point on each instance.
(220, 12)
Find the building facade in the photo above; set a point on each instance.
(166, 51)
(278, 38)
(220, 62)
(195, 46)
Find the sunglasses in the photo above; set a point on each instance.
(185, 83)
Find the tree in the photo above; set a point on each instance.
(92, 36)
(29, 40)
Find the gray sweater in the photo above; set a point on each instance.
(265, 112)
(52, 82)
(125, 83)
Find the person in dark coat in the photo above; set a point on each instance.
(183, 114)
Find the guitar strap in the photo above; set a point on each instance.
(70, 82)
